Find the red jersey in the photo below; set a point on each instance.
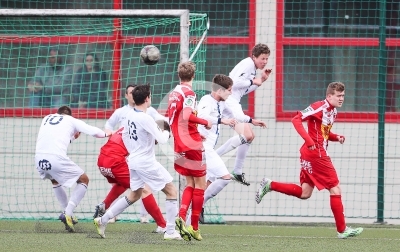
(115, 147)
(320, 117)
(186, 135)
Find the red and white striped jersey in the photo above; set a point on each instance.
(186, 135)
(320, 117)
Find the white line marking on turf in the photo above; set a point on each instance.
(298, 227)
(305, 237)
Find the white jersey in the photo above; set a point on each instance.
(120, 114)
(139, 134)
(242, 75)
(212, 110)
(57, 131)
(155, 115)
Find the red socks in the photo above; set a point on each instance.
(197, 206)
(335, 200)
(288, 189)
(185, 202)
(152, 208)
(338, 212)
(113, 194)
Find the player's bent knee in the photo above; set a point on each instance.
(248, 134)
(335, 190)
(145, 193)
(83, 179)
(133, 196)
(306, 191)
(54, 182)
(253, 136)
(249, 138)
(170, 191)
(305, 196)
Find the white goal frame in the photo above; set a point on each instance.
(181, 13)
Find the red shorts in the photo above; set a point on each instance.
(319, 172)
(115, 170)
(190, 163)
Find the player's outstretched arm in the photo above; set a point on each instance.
(189, 116)
(298, 125)
(151, 126)
(81, 126)
(229, 121)
(336, 138)
(75, 136)
(259, 123)
(155, 115)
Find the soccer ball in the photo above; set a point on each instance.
(150, 55)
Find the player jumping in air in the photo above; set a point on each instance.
(317, 169)
(139, 135)
(244, 82)
(213, 108)
(56, 132)
(188, 148)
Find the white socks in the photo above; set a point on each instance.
(240, 157)
(118, 207)
(61, 196)
(76, 197)
(215, 187)
(231, 144)
(171, 209)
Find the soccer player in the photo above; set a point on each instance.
(317, 169)
(120, 113)
(148, 198)
(245, 82)
(139, 135)
(188, 148)
(56, 132)
(212, 107)
(113, 166)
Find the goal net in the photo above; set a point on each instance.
(109, 43)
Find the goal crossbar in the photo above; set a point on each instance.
(181, 13)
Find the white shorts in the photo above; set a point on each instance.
(216, 168)
(236, 109)
(156, 177)
(60, 168)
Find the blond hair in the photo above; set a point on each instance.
(334, 86)
(186, 70)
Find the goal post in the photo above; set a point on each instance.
(114, 39)
(182, 14)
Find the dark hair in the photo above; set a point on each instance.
(221, 81)
(130, 85)
(260, 49)
(96, 65)
(64, 110)
(140, 93)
